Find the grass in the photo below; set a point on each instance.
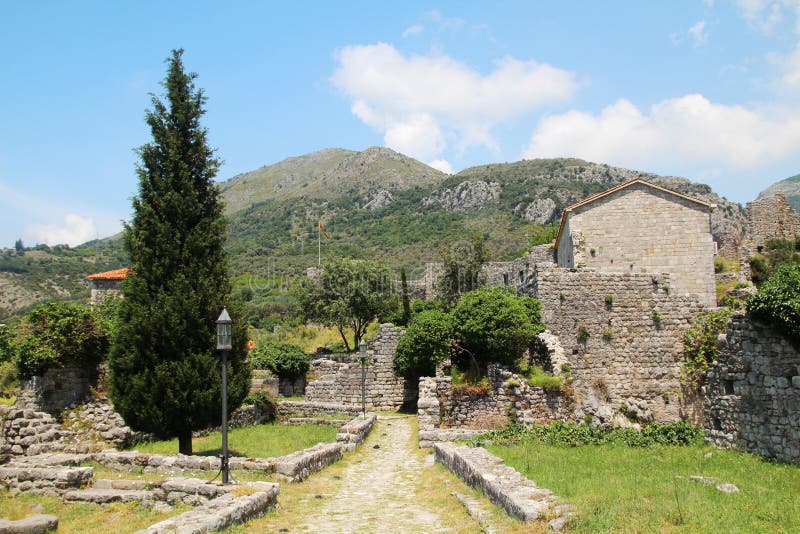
(83, 518)
(311, 338)
(625, 489)
(262, 441)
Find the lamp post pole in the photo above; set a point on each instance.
(224, 334)
(363, 348)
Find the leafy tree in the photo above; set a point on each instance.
(349, 293)
(165, 371)
(777, 302)
(463, 261)
(57, 333)
(777, 252)
(494, 325)
(427, 341)
(19, 247)
(282, 359)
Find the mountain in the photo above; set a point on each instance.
(331, 173)
(790, 187)
(376, 203)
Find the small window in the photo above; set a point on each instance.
(505, 279)
(727, 386)
(522, 276)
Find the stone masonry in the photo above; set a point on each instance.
(340, 383)
(752, 399)
(771, 218)
(622, 335)
(638, 227)
(447, 415)
(59, 388)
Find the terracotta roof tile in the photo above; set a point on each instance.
(116, 274)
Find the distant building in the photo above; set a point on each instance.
(640, 227)
(106, 284)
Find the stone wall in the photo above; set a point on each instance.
(752, 399)
(100, 290)
(771, 218)
(59, 388)
(340, 382)
(446, 415)
(622, 336)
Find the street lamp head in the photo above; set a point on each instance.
(224, 331)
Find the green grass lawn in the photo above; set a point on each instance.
(262, 441)
(627, 489)
(76, 518)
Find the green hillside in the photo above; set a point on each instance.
(790, 187)
(373, 204)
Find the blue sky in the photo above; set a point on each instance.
(709, 90)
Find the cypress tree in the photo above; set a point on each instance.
(165, 371)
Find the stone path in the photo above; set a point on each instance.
(380, 492)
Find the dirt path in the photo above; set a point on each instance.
(381, 487)
(387, 486)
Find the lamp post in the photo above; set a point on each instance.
(363, 348)
(224, 335)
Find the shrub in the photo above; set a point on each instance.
(700, 345)
(426, 342)
(538, 377)
(6, 344)
(283, 359)
(777, 302)
(264, 402)
(57, 333)
(494, 325)
(580, 434)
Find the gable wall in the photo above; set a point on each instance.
(643, 230)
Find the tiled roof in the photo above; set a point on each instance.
(116, 274)
(619, 187)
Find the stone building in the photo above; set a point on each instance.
(770, 218)
(106, 284)
(639, 227)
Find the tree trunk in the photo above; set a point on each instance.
(185, 442)
(344, 338)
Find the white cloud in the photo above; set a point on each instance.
(689, 129)
(789, 65)
(699, 33)
(416, 29)
(420, 101)
(765, 15)
(418, 135)
(442, 165)
(74, 231)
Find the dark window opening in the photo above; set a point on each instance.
(727, 386)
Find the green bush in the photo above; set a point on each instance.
(283, 359)
(6, 344)
(700, 344)
(580, 434)
(426, 342)
(777, 302)
(494, 325)
(57, 333)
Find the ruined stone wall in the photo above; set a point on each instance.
(517, 273)
(642, 230)
(752, 399)
(340, 382)
(444, 411)
(59, 388)
(622, 337)
(771, 218)
(102, 289)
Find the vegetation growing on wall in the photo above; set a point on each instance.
(777, 302)
(700, 345)
(777, 252)
(55, 334)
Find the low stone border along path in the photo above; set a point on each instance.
(388, 485)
